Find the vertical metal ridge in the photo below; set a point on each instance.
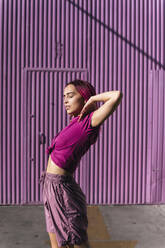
(9, 105)
(13, 105)
(163, 135)
(5, 113)
(1, 92)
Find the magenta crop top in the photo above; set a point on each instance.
(70, 144)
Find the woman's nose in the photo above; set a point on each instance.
(65, 101)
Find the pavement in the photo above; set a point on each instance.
(110, 226)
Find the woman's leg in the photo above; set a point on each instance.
(54, 243)
(84, 245)
(53, 240)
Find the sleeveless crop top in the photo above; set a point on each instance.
(70, 144)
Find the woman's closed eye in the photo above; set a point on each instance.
(68, 96)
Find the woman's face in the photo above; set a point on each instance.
(73, 100)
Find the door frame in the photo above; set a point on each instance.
(26, 89)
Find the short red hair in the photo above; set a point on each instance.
(85, 89)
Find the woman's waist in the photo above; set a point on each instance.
(55, 169)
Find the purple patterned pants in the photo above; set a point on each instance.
(65, 208)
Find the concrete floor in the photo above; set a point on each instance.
(127, 226)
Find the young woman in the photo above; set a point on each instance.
(64, 202)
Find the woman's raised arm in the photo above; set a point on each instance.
(111, 100)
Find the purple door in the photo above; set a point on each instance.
(44, 117)
(156, 137)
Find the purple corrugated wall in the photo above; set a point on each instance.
(115, 45)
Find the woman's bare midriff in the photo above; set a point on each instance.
(55, 169)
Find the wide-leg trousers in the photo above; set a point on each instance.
(65, 208)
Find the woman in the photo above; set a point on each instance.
(64, 202)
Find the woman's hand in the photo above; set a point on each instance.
(89, 106)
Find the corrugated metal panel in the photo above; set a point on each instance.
(118, 43)
(156, 136)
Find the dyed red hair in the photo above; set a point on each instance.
(85, 89)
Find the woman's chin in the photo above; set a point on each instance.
(69, 113)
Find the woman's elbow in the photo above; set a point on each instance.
(119, 96)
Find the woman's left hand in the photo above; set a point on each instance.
(89, 105)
